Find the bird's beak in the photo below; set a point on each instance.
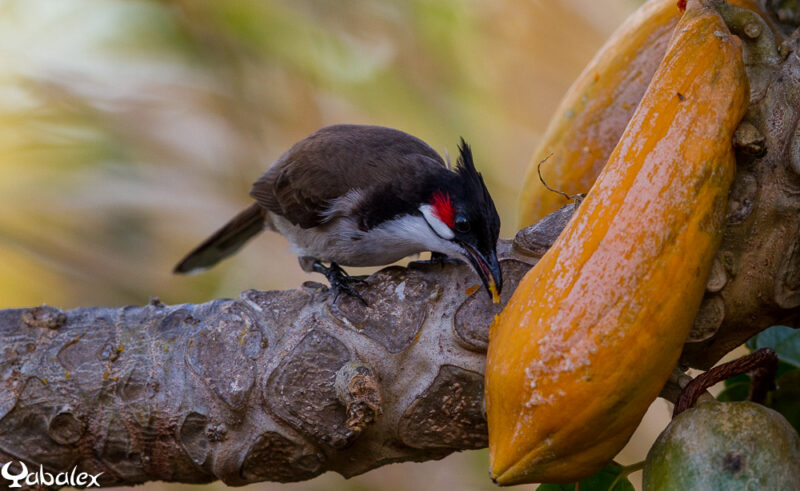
(488, 269)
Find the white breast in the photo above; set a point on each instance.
(340, 240)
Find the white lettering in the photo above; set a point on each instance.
(44, 478)
(14, 478)
(31, 482)
(94, 480)
(60, 476)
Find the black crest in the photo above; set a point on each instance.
(470, 178)
(471, 188)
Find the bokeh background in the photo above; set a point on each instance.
(132, 129)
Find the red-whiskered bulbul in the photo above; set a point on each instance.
(355, 195)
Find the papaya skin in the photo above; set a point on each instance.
(593, 114)
(595, 110)
(594, 329)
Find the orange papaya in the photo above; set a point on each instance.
(593, 113)
(595, 110)
(594, 329)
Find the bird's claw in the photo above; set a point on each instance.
(345, 287)
(340, 281)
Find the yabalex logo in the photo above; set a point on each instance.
(43, 478)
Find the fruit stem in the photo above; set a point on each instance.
(763, 377)
(762, 366)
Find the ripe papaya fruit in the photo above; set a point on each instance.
(593, 113)
(725, 445)
(593, 331)
(595, 110)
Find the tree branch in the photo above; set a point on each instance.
(274, 385)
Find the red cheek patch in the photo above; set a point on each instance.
(443, 208)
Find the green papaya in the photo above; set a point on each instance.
(725, 446)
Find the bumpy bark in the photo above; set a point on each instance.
(285, 385)
(269, 386)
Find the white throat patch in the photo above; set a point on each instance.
(438, 226)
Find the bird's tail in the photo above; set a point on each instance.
(225, 241)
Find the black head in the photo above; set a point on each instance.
(464, 205)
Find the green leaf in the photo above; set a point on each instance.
(783, 339)
(769, 338)
(742, 378)
(556, 487)
(789, 349)
(786, 398)
(598, 482)
(735, 392)
(784, 367)
(738, 387)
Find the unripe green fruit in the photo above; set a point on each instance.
(725, 446)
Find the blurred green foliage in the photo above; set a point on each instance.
(611, 478)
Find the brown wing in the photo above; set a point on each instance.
(304, 181)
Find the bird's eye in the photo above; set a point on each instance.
(462, 225)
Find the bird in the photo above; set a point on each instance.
(363, 195)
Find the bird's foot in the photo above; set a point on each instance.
(340, 281)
